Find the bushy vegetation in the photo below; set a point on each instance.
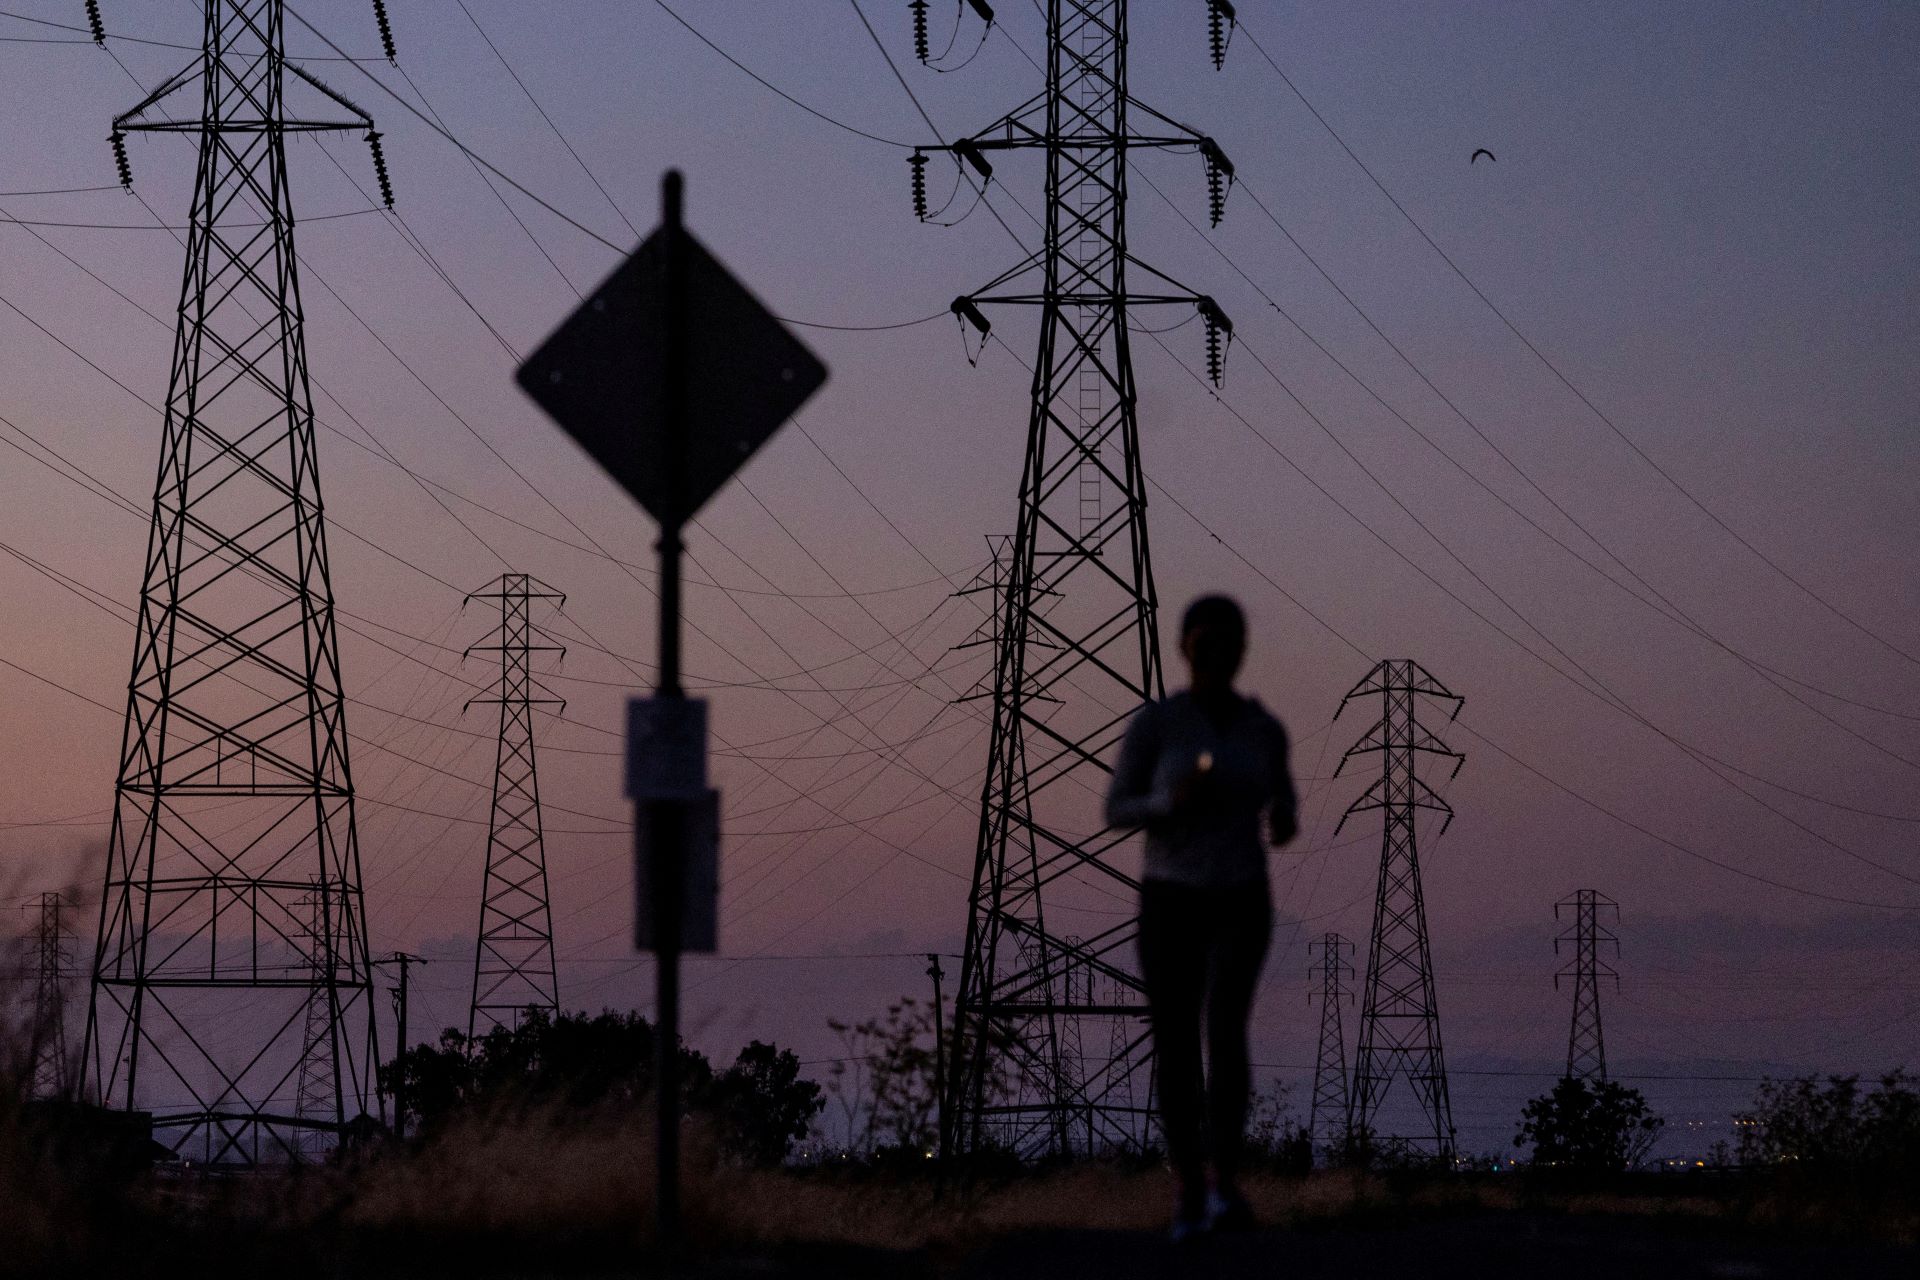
(1835, 1125)
(887, 1084)
(1276, 1140)
(591, 1065)
(1589, 1127)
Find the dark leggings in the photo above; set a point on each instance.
(1202, 949)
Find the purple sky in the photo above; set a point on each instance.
(1706, 215)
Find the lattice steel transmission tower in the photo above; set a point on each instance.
(50, 1054)
(1399, 1015)
(1066, 676)
(1327, 1121)
(312, 1088)
(234, 794)
(1586, 1047)
(513, 969)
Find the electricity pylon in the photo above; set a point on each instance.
(1327, 1121)
(1399, 1015)
(311, 1088)
(1586, 1048)
(50, 1056)
(513, 969)
(234, 794)
(1076, 649)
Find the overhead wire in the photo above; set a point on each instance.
(1660, 603)
(930, 124)
(462, 420)
(1553, 368)
(1596, 686)
(580, 160)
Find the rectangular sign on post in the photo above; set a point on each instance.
(670, 376)
(667, 766)
(666, 748)
(699, 827)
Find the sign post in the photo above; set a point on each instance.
(670, 375)
(665, 817)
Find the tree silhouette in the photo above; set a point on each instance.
(1597, 1127)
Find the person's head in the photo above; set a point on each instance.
(1213, 639)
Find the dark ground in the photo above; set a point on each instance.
(1556, 1247)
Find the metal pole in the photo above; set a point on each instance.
(402, 960)
(666, 817)
(400, 1085)
(935, 972)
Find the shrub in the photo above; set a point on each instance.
(588, 1064)
(1835, 1125)
(1598, 1127)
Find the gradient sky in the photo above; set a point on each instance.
(1706, 214)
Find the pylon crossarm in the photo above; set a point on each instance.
(128, 122)
(361, 119)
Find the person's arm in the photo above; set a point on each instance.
(1283, 820)
(1131, 798)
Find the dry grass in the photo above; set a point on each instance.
(492, 1196)
(544, 1174)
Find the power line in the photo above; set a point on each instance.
(1661, 603)
(775, 89)
(1598, 688)
(1567, 382)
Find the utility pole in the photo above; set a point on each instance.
(1586, 1048)
(1076, 649)
(1327, 1121)
(404, 962)
(234, 794)
(513, 969)
(1399, 1014)
(52, 1062)
(937, 973)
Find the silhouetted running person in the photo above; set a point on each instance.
(1200, 770)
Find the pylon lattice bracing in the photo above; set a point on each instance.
(1399, 1013)
(513, 968)
(1075, 647)
(313, 1084)
(1327, 1119)
(1586, 1047)
(50, 1055)
(234, 796)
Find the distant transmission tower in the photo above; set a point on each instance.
(1399, 1015)
(1327, 1122)
(313, 1083)
(234, 793)
(1076, 648)
(1586, 1047)
(50, 1054)
(513, 969)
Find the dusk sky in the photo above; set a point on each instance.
(1706, 215)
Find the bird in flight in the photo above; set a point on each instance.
(1475, 157)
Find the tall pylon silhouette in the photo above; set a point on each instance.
(50, 1053)
(1586, 1046)
(1076, 648)
(234, 793)
(1399, 1013)
(1327, 1120)
(513, 969)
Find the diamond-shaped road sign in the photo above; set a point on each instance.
(603, 376)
